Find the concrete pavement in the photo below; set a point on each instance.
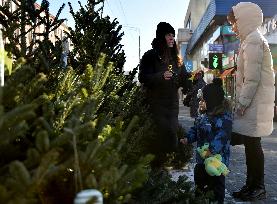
(236, 177)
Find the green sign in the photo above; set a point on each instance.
(215, 60)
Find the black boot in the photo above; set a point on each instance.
(242, 192)
(254, 195)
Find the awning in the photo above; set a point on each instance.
(226, 72)
(216, 13)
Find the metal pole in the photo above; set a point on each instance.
(2, 66)
(139, 48)
(138, 30)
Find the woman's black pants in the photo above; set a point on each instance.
(254, 161)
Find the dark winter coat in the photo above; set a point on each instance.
(162, 97)
(213, 128)
(159, 90)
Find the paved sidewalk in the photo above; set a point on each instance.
(236, 177)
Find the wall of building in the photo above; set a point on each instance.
(59, 32)
(195, 11)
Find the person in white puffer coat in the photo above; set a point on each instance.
(255, 95)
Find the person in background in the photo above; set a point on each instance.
(198, 83)
(161, 73)
(187, 98)
(212, 126)
(254, 95)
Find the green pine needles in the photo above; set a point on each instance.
(68, 129)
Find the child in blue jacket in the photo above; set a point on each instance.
(212, 126)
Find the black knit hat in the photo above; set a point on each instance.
(164, 28)
(213, 94)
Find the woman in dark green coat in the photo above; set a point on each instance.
(161, 73)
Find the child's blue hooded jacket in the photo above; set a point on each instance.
(215, 130)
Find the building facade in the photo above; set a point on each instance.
(195, 11)
(53, 36)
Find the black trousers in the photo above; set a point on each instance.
(204, 183)
(166, 125)
(254, 161)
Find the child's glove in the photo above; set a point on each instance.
(214, 166)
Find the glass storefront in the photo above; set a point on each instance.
(231, 45)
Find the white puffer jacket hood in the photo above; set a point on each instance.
(249, 17)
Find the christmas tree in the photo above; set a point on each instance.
(25, 39)
(60, 139)
(95, 34)
(65, 130)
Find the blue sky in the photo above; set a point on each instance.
(138, 18)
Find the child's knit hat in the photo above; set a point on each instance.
(213, 94)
